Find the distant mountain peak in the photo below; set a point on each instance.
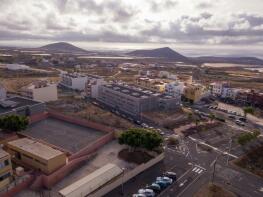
(164, 52)
(63, 47)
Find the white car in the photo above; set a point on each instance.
(138, 195)
(147, 192)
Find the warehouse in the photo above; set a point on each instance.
(92, 182)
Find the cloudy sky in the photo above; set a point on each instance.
(189, 24)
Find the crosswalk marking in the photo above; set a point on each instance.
(198, 169)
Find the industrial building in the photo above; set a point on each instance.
(36, 155)
(21, 106)
(41, 91)
(6, 171)
(75, 81)
(92, 182)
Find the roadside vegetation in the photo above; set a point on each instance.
(245, 138)
(253, 161)
(13, 123)
(213, 190)
(141, 142)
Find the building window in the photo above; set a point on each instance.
(6, 162)
(3, 177)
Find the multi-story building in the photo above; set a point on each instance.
(6, 170)
(194, 92)
(133, 101)
(41, 91)
(75, 81)
(127, 99)
(229, 93)
(175, 88)
(2, 92)
(151, 84)
(21, 106)
(92, 86)
(217, 88)
(36, 155)
(167, 75)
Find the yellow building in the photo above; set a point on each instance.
(34, 154)
(194, 92)
(6, 171)
(151, 84)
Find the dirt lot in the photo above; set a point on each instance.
(15, 84)
(253, 161)
(83, 109)
(213, 191)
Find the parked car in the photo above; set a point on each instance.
(171, 175)
(162, 184)
(138, 195)
(155, 187)
(232, 117)
(147, 192)
(243, 119)
(238, 122)
(165, 179)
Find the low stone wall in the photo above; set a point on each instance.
(127, 176)
(94, 146)
(79, 121)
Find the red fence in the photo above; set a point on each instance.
(76, 159)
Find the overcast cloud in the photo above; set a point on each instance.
(205, 22)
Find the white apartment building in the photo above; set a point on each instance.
(75, 81)
(92, 86)
(217, 88)
(2, 92)
(167, 75)
(230, 93)
(41, 91)
(175, 88)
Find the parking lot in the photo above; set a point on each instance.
(68, 136)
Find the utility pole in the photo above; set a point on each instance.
(230, 146)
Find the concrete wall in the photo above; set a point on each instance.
(46, 94)
(127, 176)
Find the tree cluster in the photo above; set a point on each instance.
(13, 123)
(141, 138)
(244, 138)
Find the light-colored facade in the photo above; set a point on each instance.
(194, 92)
(2, 92)
(92, 182)
(175, 88)
(6, 170)
(217, 88)
(36, 155)
(151, 84)
(75, 81)
(230, 93)
(92, 86)
(167, 75)
(41, 91)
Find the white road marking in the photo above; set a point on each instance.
(215, 148)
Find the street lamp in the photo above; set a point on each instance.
(122, 184)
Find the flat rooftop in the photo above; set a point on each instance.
(36, 148)
(68, 136)
(131, 90)
(3, 153)
(18, 102)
